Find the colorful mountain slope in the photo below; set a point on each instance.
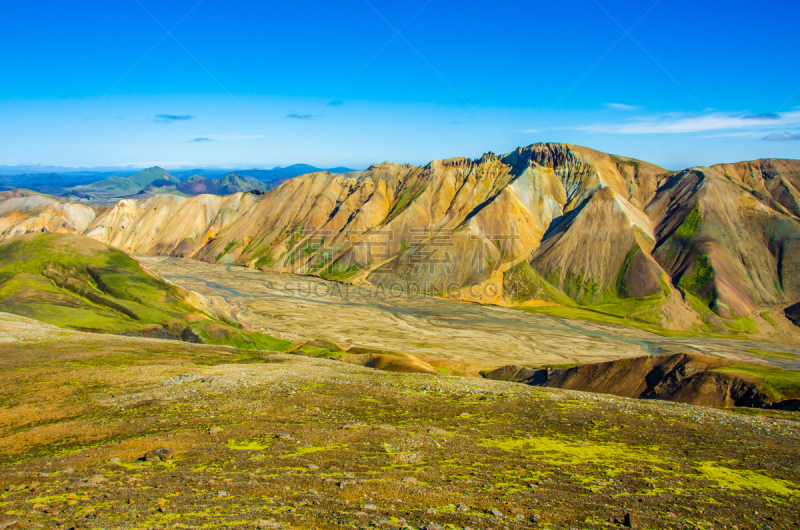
(26, 213)
(545, 224)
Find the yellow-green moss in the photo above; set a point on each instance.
(247, 445)
(559, 451)
(743, 479)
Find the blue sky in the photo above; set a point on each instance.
(259, 84)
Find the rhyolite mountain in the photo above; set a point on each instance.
(547, 224)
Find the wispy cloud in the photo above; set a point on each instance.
(336, 103)
(762, 116)
(717, 121)
(453, 123)
(170, 118)
(621, 106)
(201, 139)
(294, 116)
(782, 137)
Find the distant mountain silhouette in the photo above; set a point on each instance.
(104, 184)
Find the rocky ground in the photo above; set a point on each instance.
(260, 440)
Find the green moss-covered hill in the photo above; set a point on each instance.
(78, 283)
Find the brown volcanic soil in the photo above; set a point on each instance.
(310, 443)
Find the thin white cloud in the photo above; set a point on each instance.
(621, 106)
(782, 137)
(671, 124)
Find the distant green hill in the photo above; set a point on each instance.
(124, 186)
(229, 184)
(78, 283)
(156, 180)
(285, 173)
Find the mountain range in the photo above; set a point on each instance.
(107, 186)
(547, 227)
(155, 180)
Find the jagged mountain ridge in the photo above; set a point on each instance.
(573, 225)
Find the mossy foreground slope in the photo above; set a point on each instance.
(262, 440)
(78, 283)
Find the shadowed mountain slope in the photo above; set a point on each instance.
(793, 313)
(600, 248)
(685, 378)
